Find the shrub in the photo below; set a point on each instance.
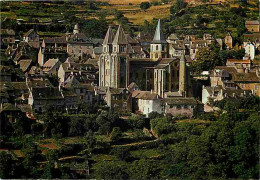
(145, 5)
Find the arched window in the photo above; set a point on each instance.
(157, 47)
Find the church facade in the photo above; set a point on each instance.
(160, 74)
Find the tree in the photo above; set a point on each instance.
(116, 134)
(111, 170)
(145, 5)
(145, 169)
(180, 4)
(204, 60)
(5, 165)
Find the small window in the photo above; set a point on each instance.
(185, 107)
(178, 107)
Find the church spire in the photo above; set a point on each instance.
(109, 37)
(120, 37)
(158, 36)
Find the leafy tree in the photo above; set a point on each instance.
(5, 165)
(116, 134)
(205, 60)
(145, 169)
(162, 126)
(111, 170)
(180, 4)
(145, 5)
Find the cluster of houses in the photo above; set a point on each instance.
(141, 74)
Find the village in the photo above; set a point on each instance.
(106, 98)
(140, 74)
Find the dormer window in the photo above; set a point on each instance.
(105, 49)
(115, 49)
(157, 47)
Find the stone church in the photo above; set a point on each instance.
(118, 67)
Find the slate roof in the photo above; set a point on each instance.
(53, 40)
(145, 95)
(79, 38)
(98, 50)
(8, 107)
(158, 36)
(71, 82)
(25, 108)
(93, 62)
(178, 47)
(181, 101)
(97, 41)
(173, 36)
(120, 37)
(39, 83)
(29, 32)
(116, 90)
(9, 32)
(49, 64)
(109, 36)
(245, 77)
(132, 86)
(144, 37)
(19, 85)
(75, 67)
(238, 61)
(48, 93)
(131, 40)
(252, 22)
(25, 64)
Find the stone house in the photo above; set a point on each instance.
(183, 106)
(250, 50)
(78, 43)
(7, 37)
(8, 115)
(51, 53)
(252, 26)
(147, 102)
(85, 92)
(25, 64)
(51, 66)
(234, 62)
(84, 73)
(195, 46)
(32, 38)
(39, 98)
(59, 43)
(240, 77)
(119, 99)
(229, 41)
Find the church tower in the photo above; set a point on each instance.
(119, 58)
(105, 60)
(76, 29)
(159, 46)
(182, 76)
